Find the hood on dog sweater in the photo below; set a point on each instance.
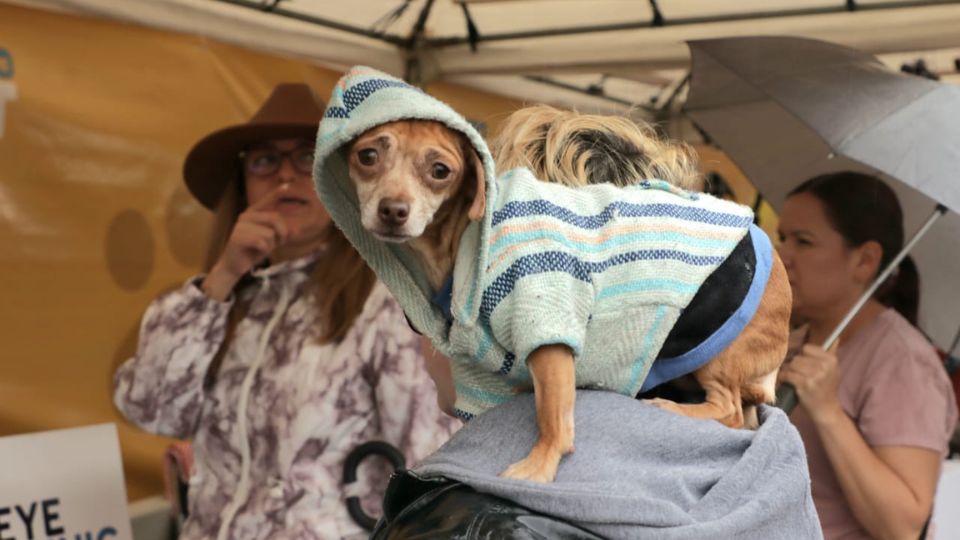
(604, 270)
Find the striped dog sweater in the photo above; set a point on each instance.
(604, 270)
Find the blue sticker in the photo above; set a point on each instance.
(6, 64)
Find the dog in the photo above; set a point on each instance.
(421, 184)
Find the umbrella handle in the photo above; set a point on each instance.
(787, 397)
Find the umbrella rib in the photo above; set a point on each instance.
(759, 90)
(937, 213)
(887, 116)
(787, 395)
(835, 149)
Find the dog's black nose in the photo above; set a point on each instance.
(393, 212)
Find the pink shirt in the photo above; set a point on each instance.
(895, 388)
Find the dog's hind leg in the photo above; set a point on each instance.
(762, 389)
(747, 368)
(722, 403)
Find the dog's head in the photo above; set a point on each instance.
(405, 171)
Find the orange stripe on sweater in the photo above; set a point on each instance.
(607, 232)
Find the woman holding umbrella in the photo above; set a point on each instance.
(877, 411)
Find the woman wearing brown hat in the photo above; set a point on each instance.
(286, 354)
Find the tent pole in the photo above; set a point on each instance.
(413, 70)
(632, 25)
(319, 21)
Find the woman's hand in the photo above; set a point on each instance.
(816, 376)
(258, 232)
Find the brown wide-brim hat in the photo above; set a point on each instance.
(292, 111)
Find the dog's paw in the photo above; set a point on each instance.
(533, 469)
(540, 465)
(664, 404)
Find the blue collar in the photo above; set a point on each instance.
(443, 298)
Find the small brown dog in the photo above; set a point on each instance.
(421, 183)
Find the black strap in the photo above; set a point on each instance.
(350, 466)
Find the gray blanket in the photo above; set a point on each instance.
(639, 472)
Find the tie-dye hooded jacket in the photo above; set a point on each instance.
(307, 407)
(604, 270)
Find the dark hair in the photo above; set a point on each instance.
(863, 208)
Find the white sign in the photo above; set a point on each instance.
(945, 524)
(63, 485)
(8, 92)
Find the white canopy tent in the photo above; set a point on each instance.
(604, 55)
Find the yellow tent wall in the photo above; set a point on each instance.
(94, 218)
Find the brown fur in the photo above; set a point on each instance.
(743, 373)
(438, 210)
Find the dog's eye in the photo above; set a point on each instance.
(367, 156)
(440, 171)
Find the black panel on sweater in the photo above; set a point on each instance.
(718, 298)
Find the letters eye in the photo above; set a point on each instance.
(367, 156)
(440, 171)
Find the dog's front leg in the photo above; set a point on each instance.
(554, 388)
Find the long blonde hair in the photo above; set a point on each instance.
(340, 289)
(574, 149)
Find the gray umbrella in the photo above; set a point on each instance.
(786, 109)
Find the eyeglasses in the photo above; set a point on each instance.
(267, 161)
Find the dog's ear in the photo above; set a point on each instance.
(479, 205)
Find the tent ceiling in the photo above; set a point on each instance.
(609, 55)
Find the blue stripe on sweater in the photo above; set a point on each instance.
(463, 415)
(478, 394)
(485, 343)
(540, 207)
(356, 94)
(611, 243)
(508, 361)
(646, 285)
(645, 354)
(556, 261)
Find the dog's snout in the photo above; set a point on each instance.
(393, 212)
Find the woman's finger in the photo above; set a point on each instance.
(254, 235)
(271, 198)
(803, 371)
(270, 219)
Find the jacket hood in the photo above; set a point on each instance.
(363, 99)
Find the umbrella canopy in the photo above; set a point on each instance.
(786, 109)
